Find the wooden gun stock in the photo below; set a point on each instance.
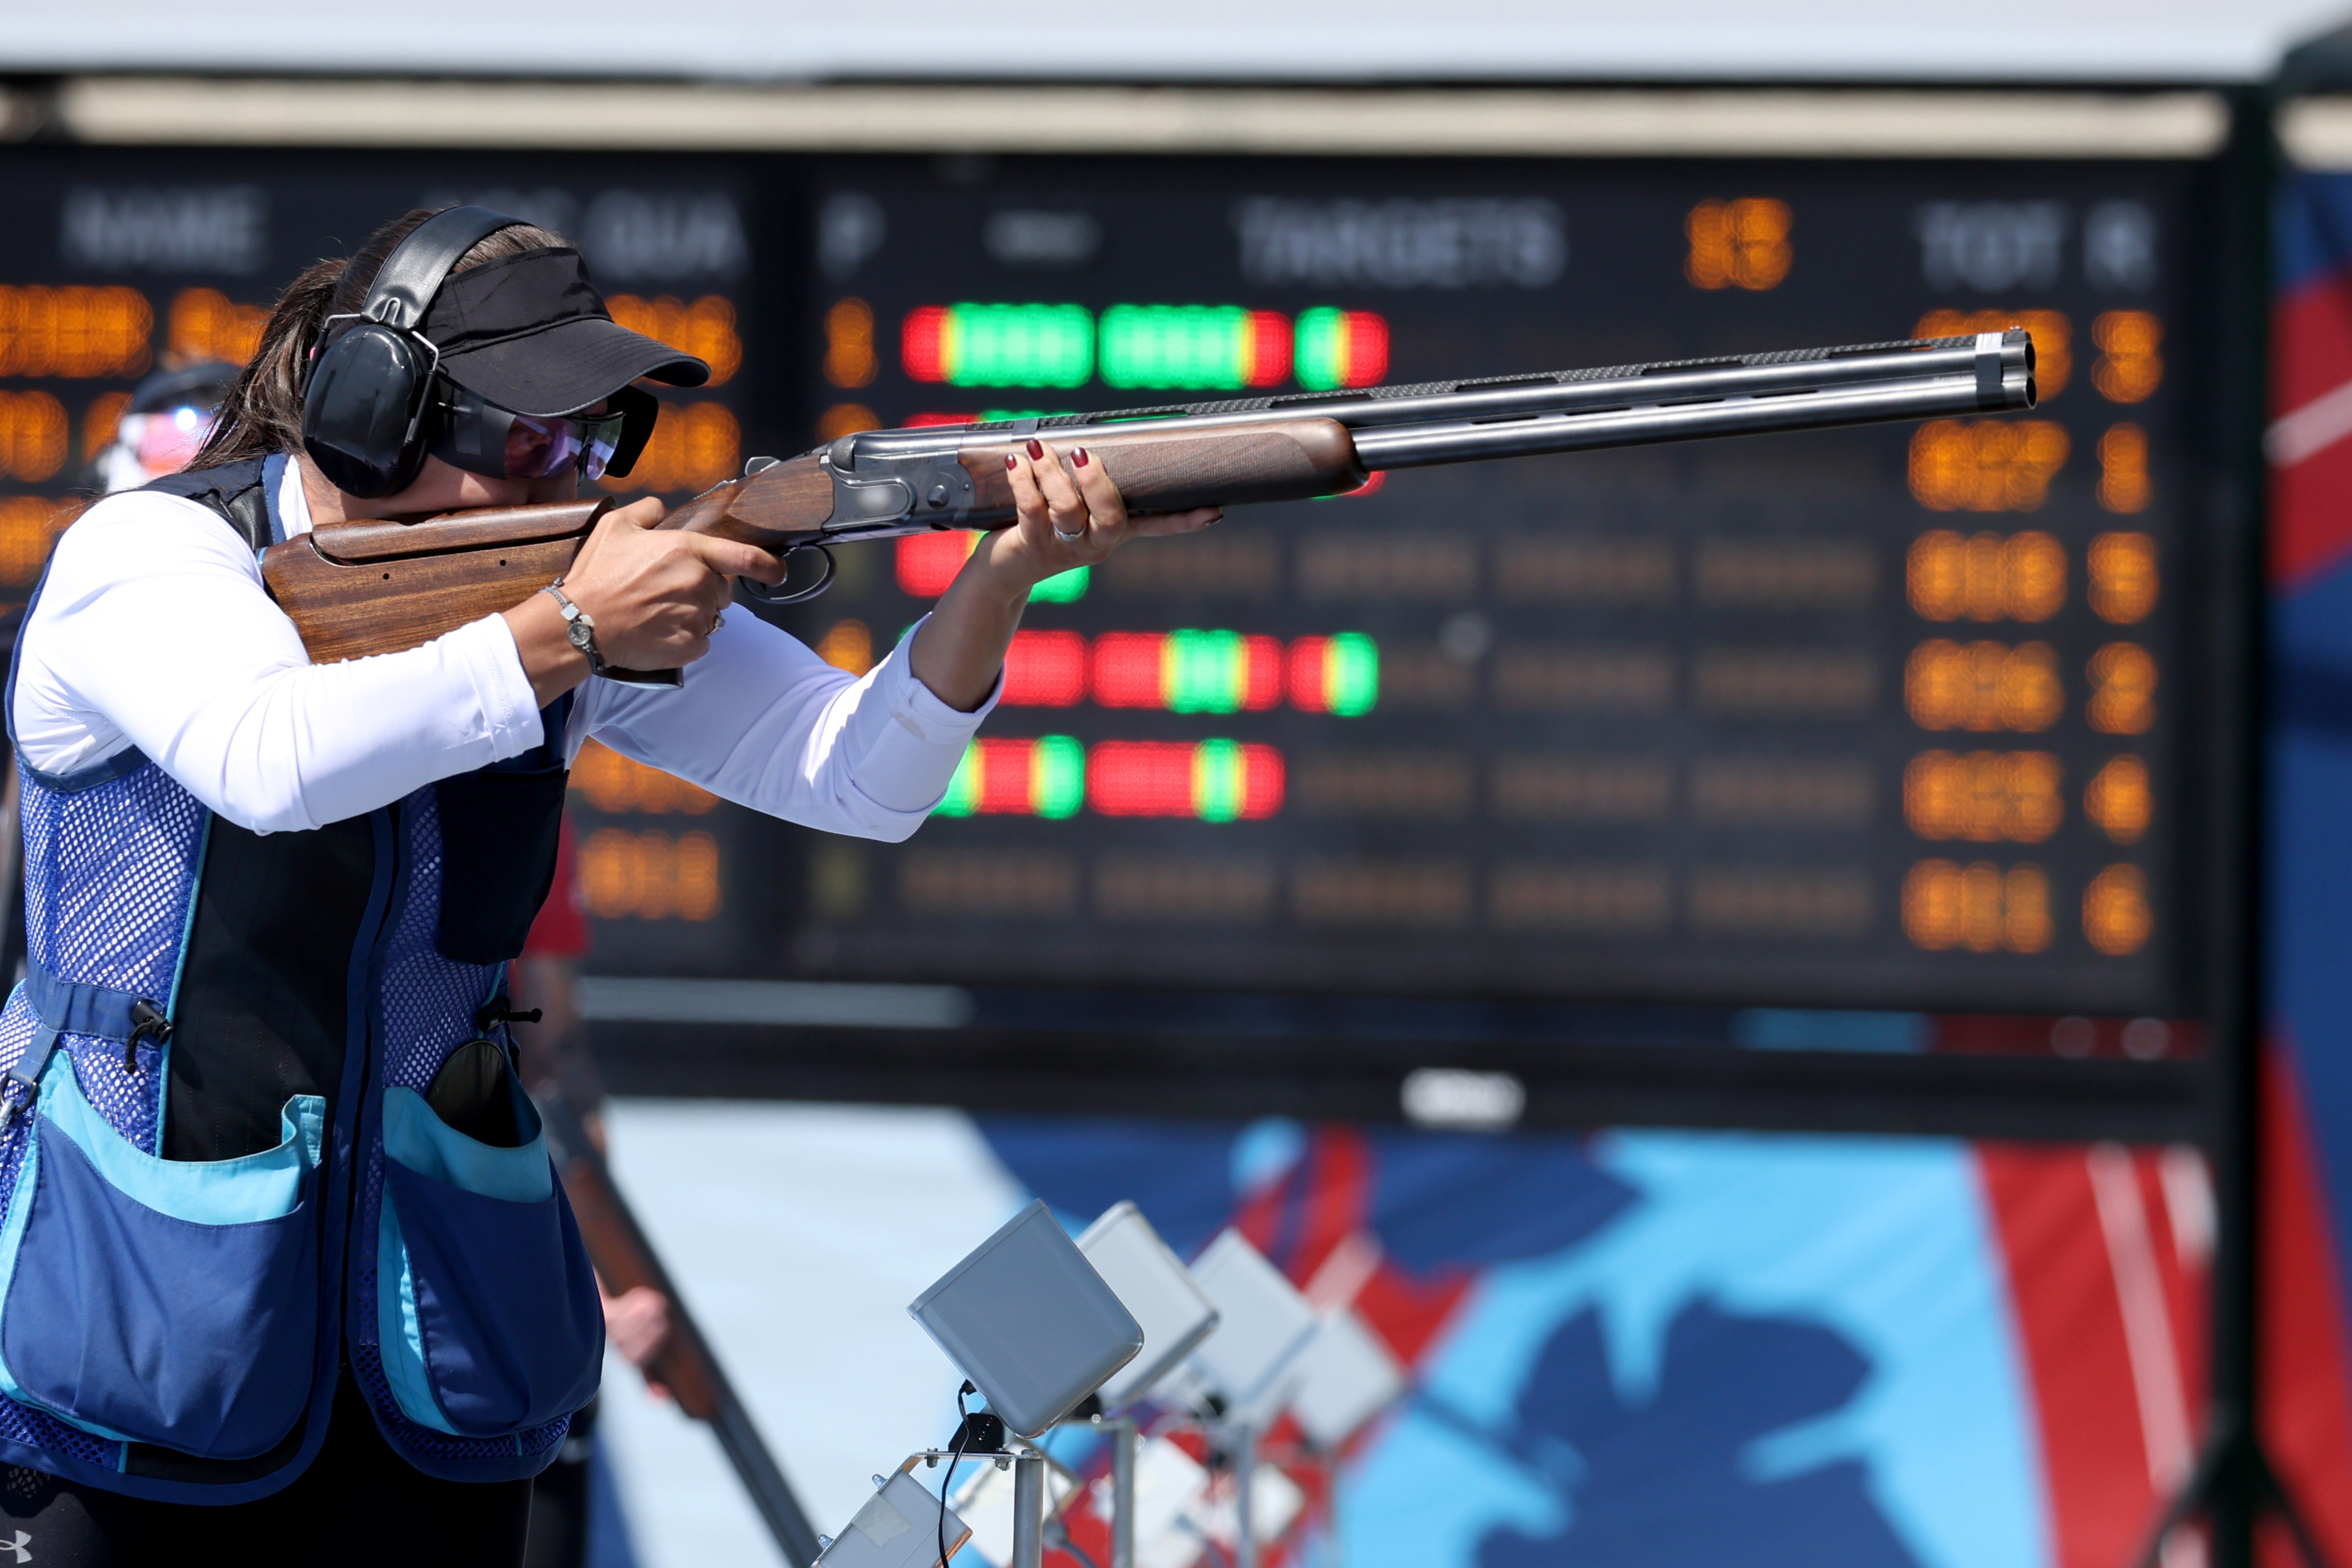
(357, 588)
(624, 1260)
(353, 589)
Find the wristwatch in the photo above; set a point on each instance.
(578, 626)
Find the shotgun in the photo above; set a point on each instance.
(624, 1260)
(359, 588)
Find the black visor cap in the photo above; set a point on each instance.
(530, 333)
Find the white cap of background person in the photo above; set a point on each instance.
(165, 426)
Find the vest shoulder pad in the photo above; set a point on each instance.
(233, 491)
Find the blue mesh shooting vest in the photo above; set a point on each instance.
(225, 1181)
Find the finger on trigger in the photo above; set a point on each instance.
(728, 558)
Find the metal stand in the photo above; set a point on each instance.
(1028, 1509)
(1244, 1453)
(1324, 1461)
(1027, 1463)
(2234, 1483)
(1123, 1443)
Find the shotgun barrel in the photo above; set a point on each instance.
(898, 481)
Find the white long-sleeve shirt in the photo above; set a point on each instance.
(154, 631)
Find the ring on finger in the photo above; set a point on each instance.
(1070, 538)
(718, 619)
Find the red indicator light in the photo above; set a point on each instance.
(1004, 777)
(1307, 656)
(923, 345)
(1140, 778)
(1261, 682)
(928, 562)
(1045, 669)
(1261, 782)
(1265, 349)
(1368, 348)
(1210, 781)
(917, 421)
(1127, 669)
(1309, 690)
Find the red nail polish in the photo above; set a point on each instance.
(1037, 450)
(1011, 461)
(1078, 458)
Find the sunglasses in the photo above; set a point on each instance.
(477, 434)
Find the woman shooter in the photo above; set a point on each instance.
(284, 1276)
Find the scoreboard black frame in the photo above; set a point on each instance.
(1832, 722)
(1500, 822)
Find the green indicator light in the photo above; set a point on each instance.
(963, 790)
(1217, 780)
(1351, 674)
(1058, 776)
(1062, 587)
(997, 415)
(1200, 672)
(1175, 345)
(1341, 348)
(1321, 343)
(1020, 345)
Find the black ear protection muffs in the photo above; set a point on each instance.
(364, 407)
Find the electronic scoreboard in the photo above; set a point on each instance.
(1897, 718)
(1868, 718)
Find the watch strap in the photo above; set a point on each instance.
(578, 626)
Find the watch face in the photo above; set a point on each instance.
(579, 633)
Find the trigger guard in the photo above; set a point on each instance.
(760, 593)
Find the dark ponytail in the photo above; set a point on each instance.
(262, 414)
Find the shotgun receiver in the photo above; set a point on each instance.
(360, 589)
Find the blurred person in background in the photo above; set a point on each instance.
(555, 1059)
(322, 1301)
(166, 424)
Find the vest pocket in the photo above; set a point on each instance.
(487, 1309)
(161, 1301)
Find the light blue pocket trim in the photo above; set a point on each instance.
(12, 1237)
(431, 1147)
(242, 1191)
(398, 1334)
(197, 1191)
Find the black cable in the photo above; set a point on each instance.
(1058, 1536)
(955, 1456)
